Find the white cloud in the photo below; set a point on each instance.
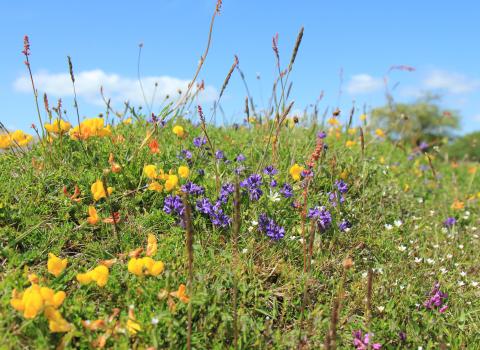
(451, 82)
(363, 84)
(116, 87)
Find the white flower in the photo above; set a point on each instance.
(402, 248)
(388, 227)
(251, 228)
(432, 212)
(430, 261)
(398, 223)
(449, 256)
(293, 238)
(254, 223)
(461, 283)
(463, 273)
(274, 196)
(443, 270)
(460, 246)
(420, 200)
(380, 308)
(444, 229)
(436, 246)
(155, 320)
(364, 274)
(474, 283)
(418, 260)
(244, 251)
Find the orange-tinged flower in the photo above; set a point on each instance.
(151, 245)
(56, 265)
(155, 186)
(380, 133)
(350, 143)
(114, 166)
(99, 275)
(21, 138)
(92, 215)
(181, 294)
(98, 190)
(457, 205)
(472, 170)
(183, 171)
(150, 171)
(171, 183)
(333, 121)
(154, 147)
(58, 126)
(178, 130)
(296, 171)
(56, 323)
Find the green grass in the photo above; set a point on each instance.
(37, 218)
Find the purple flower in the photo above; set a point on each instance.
(423, 146)
(186, 154)
(436, 299)
(270, 171)
(273, 183)
(218, 217)
(323, 217)
(449, 222)
(362, 342)
(239, 170)
(322, 135)
(270, 228)
(199, 141)
(402, 336)
(193, 189)
(253, 184)
(201, 172)
(344, 225)
(219, 154)
(286, 190)
(173, 204)
(240, 158)
(333, 198)
(226, 190)
(341, 186)
(204, 206)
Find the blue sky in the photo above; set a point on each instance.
(361, 38)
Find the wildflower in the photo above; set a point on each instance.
(436, 299)
(33, 299)
(173, 204)
(344, 225)
(56, 265)
(323, 217)
(457, 205)
(155, 186)
(199, 141)
(333, 121)
(270, 228)
(181, 294)
(19, 137)
(398, 223)
(183, 171)
(99, 275)
(225, 191)
(363, 117)
(179, 131)
(56, 323)
(151, 245)
(133, 327)
(150, 171)
(92, 215)
(154, 147)
(98, 190)
(295, 171)
(204, 206)
(90, 128)
(58, 126)
(322, 135)
(145, 266)
(240, 158)
(341, 186)
(171, 183)
(287, 190)
(270, 171)
(5, 141)
(218, 217)
(350, 143)
(253, 183)
(362, 342)
(333, 198)
(193, 189)
(219, 154)
(449, 222)
(115, 167)
(380, 133)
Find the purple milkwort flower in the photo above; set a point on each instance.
(322, 135)
(423, 167)
(173, 204)
(273, 183)
(199, 141)
(219, 154)
(323, 217)
(239, 170)
(204, 206)
(287, 190)
(240, 158)
(402, 336)
(218, 217)
(449, 222)
(342, 186)
(423, 146)
(344, 225)
(193, 189)
(270, 228)
(186, 154)
(362, 342)
(253, 183)
(270, 171)
(333, 198)
(201, 172)
(436, 299)
(226, 190)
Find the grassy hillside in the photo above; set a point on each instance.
(377, 215)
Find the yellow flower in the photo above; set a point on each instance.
(98, 190)
(56, 323)
(295, 171)
(350, 143)
(34, 299)
(145, 266)
(92, 215)
(155, 186)
(127, 121)
(183, 171)
(135, 266)
(90, 128)
(5, 141)
(58, 126)
(457, 205)
(99, 275)
(171, 183)
(380, 133)
(333, 121)
(181, 294)
(133, 327)
(363, 117)
(150, 171)
(21, 138)
(352, 131)
(56, 265)
(151, 245)
(178, 130)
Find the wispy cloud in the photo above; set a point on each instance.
(364, 84)
(451, 82)
(116, 87)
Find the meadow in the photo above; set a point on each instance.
(139, 230)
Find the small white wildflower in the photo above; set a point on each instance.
(416, 227)
(251, 228)
(155, 320)
(420, 200)
(461, 283)
(244, 251)
(402, 287)
(436, 246)
(444, 229)
(449, 256)
(254, 223)
(300, 240)
(463, 273)
(460, 246)
(380, 308)
(274, 196)
(388, 227)
(292, 238)
(443, 270)
(364, 274)
(402, 248)
(430, 261)
(398, 223)
(432, 212)
(474, 283)
(418, 260)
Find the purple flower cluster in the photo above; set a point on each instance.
(286, 190)
(225, 192)
(214, 211)
(449, 222)
(219, 154)
(271, 171)
(199, 141)
(436, 299)
(173, 205)
(322, 135)
(361, 342)
(193, 189)
(253, 184)
(270, 228)
(323, 217)
(333, 198)
(344, 225)
(240, 158)
(185, 154)
(341, 186)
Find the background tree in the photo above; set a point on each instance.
(423, 120)
(466, 147)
